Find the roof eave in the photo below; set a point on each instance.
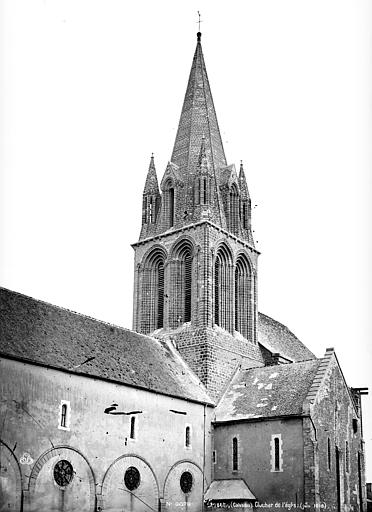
(100, 378)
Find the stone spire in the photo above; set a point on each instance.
(151, 184)
(198, 118)
(151, 200)
(243, 182)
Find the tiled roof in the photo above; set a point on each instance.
(277, 338)
(46, 334)
(269, 391)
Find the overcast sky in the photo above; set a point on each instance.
(91, 88)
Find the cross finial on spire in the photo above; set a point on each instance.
(199, 33)
(199, 21)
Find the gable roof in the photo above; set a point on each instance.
(277, 338)
(49, 335)
(268, 391)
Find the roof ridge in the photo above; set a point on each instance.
(82, 315)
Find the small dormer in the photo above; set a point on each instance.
(170, 187)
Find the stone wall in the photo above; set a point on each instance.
(337, 427)
(214, 354)
(274, 490)
(96, 443)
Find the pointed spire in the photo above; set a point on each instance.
(198, 117)
(151, 184)
(241, 171)
(243, 182)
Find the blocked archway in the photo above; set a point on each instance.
(183, 487)
(10, 481)
(62, 480)
(130, 484)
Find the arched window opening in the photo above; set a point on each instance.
(152, 301)
(205, 191)
(151, 211)
(181, 285)
(187, 437)
(197, 191)
(144, 209)
(237, 317)
(245, 220)
(217, 271)
(64, 415)
(223, 290)
(243, 291)
(171, 207)
(133, 427)
(234, 209)
(276, 454)
(168, 197)
(160, 297)
(235, 454)
(187, 282)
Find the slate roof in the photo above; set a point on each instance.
(268, 391)
(40, 332)
(198, 119)
(277, 338)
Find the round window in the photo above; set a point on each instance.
(186, 482)
(63, 473)
(132, 478)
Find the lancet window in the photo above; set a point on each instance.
(223, 288)
(234, 209)
(201, 190)
(153, 291)
(168, 197)
(243, 296)
(181, 288)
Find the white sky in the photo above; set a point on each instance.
(91, 87)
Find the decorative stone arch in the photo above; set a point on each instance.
(177, 246)
(182, 287)
(174, 496)
(11, 496)
(147, 254)
(80, 494)
(244, 253)
(223, 286)
(223, 244)
(152, 289)
(115, 494)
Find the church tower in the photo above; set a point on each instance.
(195, 262)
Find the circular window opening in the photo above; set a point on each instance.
(63, 473)
(132, 478)
(186, 482)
